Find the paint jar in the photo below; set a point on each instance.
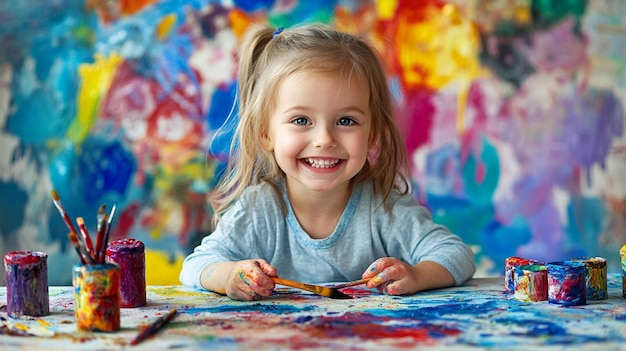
(622, 253)
(596, 283)
(566, 283)
(26, 275)
(531, 283)
(97, 296)
(509, 271)
(129, 254)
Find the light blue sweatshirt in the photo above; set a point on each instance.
(255, 227)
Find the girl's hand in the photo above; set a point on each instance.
(391, 276)
(394, 277)
(250, 280)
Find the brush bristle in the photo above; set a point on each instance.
(80, 221)
(73, 238)
(101, 209)
(336, 294)
(55, 195)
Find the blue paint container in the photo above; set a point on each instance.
(567, 283)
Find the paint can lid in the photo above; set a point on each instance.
(128, 245)
(25, 257)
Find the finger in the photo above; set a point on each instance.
(267, 268)
(255, 281)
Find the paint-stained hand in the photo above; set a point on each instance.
(391, 276)
(250, 280)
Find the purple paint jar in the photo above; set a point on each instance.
(567, 283)
(26, 275)
(129, 254)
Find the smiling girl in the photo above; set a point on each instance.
(316, 188)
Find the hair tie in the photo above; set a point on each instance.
(278, 31)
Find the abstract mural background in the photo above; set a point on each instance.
(513, 113)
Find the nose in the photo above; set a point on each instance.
(323, 137)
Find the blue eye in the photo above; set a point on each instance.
(301, 121)
(346, 121)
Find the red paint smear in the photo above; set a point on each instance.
(124, 222)
(369, 327)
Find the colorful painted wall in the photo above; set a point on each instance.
(513, 113)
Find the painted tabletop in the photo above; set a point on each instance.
(477, 315)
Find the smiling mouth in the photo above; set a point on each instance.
(319, 163)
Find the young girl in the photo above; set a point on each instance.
(315, 191)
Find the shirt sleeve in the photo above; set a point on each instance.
(224, 244)
(412, 236)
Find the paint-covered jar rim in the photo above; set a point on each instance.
(96, 267)
(25, 257)
(520, 261)
(129, 245)
(535, 268)
(591, 261)
(569, 266)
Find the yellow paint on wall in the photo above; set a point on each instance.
(160, 270)
(96, 79)
(386, 9)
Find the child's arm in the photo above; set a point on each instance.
(245, 280)
(394, 277)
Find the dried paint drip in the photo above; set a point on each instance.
(596, 281)
(531, 283)
(129, 254)
(97, 296)
(566, 283)
(509, 271)
(26, 275)
(622, 253)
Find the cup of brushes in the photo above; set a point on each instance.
(96, 282)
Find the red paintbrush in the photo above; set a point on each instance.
(57, 203)
(100, 228)
(83, 230)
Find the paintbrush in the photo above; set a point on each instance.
(100, 229)
(316, 289)
(105, 240)
(82, 252)
(83, 230)
(352, 283)
(153, 328)
(57, 203)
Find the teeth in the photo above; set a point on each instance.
(316, 163)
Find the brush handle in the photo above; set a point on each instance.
(352, 283)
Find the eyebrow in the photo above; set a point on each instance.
(343, 110)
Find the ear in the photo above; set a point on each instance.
(266, 143)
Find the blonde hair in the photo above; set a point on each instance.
(266, 58)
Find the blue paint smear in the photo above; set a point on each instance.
(422, 312)
(13, 202)
(254, 5)
(245, 307)
(98, 172)
(223, 117)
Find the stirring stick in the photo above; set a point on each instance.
(83, 230)
(153, 328)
